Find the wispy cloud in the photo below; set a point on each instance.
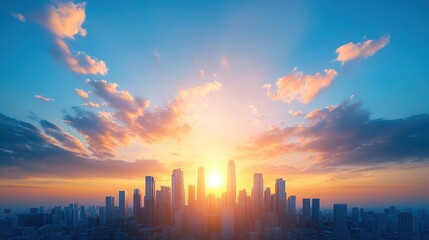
(157, 56)
(351, 51)
(18, 16)
(64, 20)
(44, 99)
(81, 93)
(298, 113)
(344, 135)
(91, 105)
(300, 87)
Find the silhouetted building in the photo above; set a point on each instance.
(292, 215)
(201, 188)
(191, 197)
(178, 199)
(340, 222)
(315, 212)
(231, 191)
(123, 204)
(280, 200)
(137, 205)
(163, 206)
(306, 212)
(257, 195)
(149, 201)
(405, 226)
(355, 216)
(267, 200)
(110, 210)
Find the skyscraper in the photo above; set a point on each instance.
(257, 195)
(110, 210)
(149, 201)
(178, 189)
(267, 199)
(123, 204)
(340, 222)
(163, 206)
(405, 226)
(201, 188)
(137, 205)
(191, 196)
(231, 191)
(306, 212)
(280, 200)
(315, 212)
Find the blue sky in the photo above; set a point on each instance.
(203, 65)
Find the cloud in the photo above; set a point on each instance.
(18, 16)
(64, 20)
(67, 141)
(26, 152)
(200, 90)
(300, 87)
(344, 135)
(202, 73)
(157, 56)
(80, 62)
(91, 105)
(102, 134)
(351, 51)
(298, 113)
(44, 99)
(81, 93)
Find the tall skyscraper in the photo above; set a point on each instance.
(123, 204)
(163, 206)
(201, 188)
(137, 205)
(191, 196)
(292, 215)
(280, 199)
(110, 210)
(267, 199)
(257, 195)
(178, 189)
(149, 201)
(405, 226)
(355, 216)
(231, 192)
(315, 212)
(340, 222)
(306, 213)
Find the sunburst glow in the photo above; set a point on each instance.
(214, 180)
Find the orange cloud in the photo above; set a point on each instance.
(351, 51)
(298, 113)
(91, 104)
(300, 87)
(81, 93)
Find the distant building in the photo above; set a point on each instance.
(191, 197)
(280, 200)
(231, 197)
(340, 222)
(306, 212)
(163, 206)
(315, 212)
(123, 204)
(201, 188)
(257, 195)
(137, 205)
(149, 202)
(110, 210)
(405, 226)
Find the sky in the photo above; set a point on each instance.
(331, 96)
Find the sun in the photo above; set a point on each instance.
(214, 180)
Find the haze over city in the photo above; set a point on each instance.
(333, 97)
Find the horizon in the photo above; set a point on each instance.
(97, 95)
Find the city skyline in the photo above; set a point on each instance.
(324, 102)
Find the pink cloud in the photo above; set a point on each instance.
(351, 51)
(81, 93)
(298, 113)
(91, 105)
(44, 99)
(18, 16)
(300, 87)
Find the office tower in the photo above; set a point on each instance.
(76, 214)
(231, 185)
(340, 222)
(293, 217)
(306, 212)
(178, 189)
(315, 212)
(137, 205)
(355, 217)
(163, 206)
(110, 210)
(267, 200)
(280, 199)
(257, 195)
(201, 188)
(243, 213)
(227, 222)
(191, 196)
(149, 201)
(405, 226)
(123, 204)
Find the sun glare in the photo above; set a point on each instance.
(214, 180)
